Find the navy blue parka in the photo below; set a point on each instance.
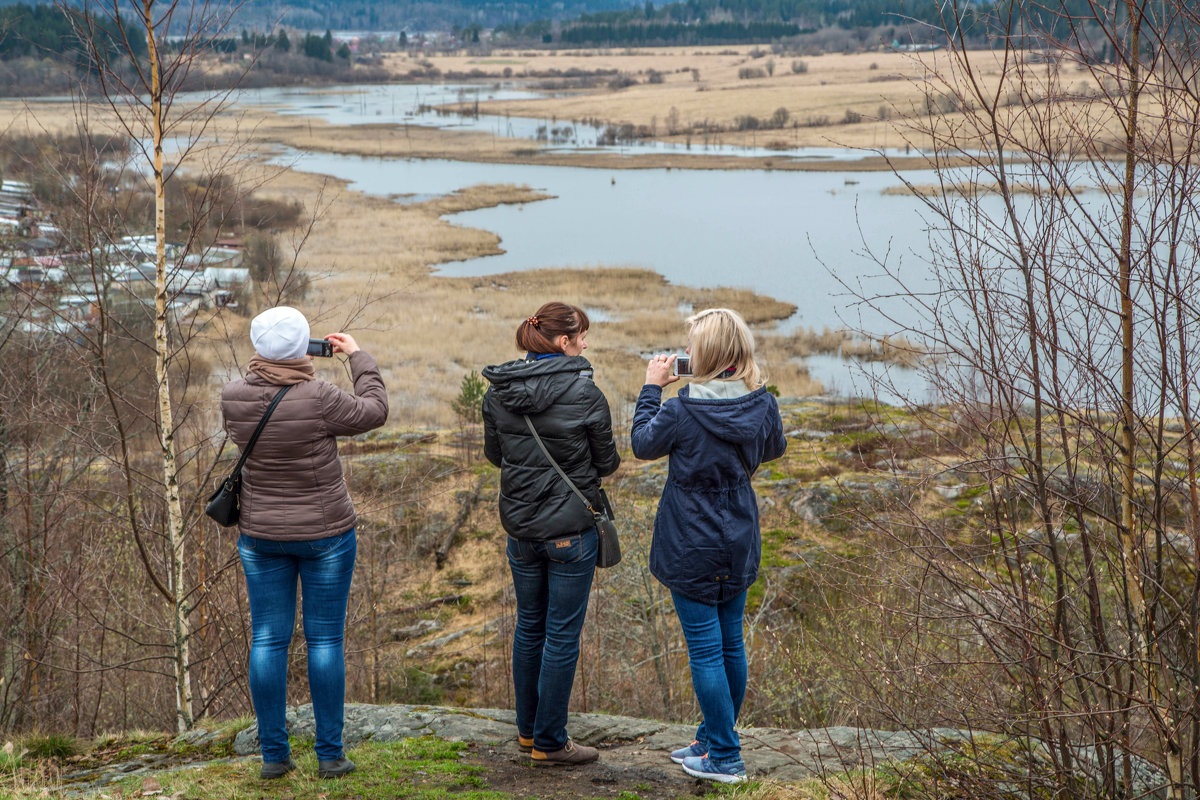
(706, 542)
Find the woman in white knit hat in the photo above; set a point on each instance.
(297, 523)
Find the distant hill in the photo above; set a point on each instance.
(411, 15)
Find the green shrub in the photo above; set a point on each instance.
(470, 397)
(54, 745)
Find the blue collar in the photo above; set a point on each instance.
(540, 356)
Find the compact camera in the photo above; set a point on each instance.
(682, 366)
(320, 347)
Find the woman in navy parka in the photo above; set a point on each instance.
(706, 544)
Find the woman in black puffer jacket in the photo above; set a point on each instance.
(551, 533)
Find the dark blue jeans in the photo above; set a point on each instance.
(717, 654)
(552, 580)
(324, 567)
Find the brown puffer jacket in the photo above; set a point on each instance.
(292, 485)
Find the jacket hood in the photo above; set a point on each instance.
(530, 387)
(737, 420)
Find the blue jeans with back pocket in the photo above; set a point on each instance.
(324, 568)
(552, 580)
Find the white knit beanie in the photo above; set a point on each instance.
(280, 334)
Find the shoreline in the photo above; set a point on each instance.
(376, 261)
(387, 255)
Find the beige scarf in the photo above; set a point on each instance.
(283, 373)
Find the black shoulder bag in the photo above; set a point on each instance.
(225, 503)
(608, 552)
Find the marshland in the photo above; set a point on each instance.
(996, 534)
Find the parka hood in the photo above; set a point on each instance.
(737, 420)
(530, 387)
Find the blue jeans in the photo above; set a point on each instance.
(324, 567)
(552, 580)
(717, 655)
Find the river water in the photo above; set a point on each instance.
(794, 235)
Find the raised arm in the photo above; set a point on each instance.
(347, 414)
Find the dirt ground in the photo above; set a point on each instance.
(621, 769)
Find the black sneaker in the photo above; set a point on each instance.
(276, 769)
(335, 769)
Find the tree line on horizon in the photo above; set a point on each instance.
(739, 21)
(414, 15)
(47, 30)
(36, 40)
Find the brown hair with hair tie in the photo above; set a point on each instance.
(540, 333)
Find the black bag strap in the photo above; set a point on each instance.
(736, 449)
(262, 423)
(595, 514)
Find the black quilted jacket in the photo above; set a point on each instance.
(572, 417)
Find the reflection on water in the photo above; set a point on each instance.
(795, 236)
(886, 383)
(423, 104)
(784, 234)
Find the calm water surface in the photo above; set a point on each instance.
(418, 104)
(796, 236)
(792, 235)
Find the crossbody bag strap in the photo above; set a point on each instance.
(736, 449)
(557, 468)
(262, 423)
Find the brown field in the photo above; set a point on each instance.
(855, 100)
(832, 85)
(882, 90)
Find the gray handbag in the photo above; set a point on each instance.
(608, 551)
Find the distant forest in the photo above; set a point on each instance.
(44, 30)
(415, 16)
(714, 21)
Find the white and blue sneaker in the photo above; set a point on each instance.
(693, 749)
(704, 767)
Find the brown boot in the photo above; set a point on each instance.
(571, 755)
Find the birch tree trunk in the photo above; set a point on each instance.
(166, 423)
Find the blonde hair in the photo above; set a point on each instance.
(720, 339)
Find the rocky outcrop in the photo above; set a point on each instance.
(633, 751)
(774, 752)
(640, 746)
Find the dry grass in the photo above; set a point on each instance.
(373, 257)
(857, 100)
(429, 331)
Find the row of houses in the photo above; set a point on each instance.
(63, 288)
(66, 287)
(21, 215)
